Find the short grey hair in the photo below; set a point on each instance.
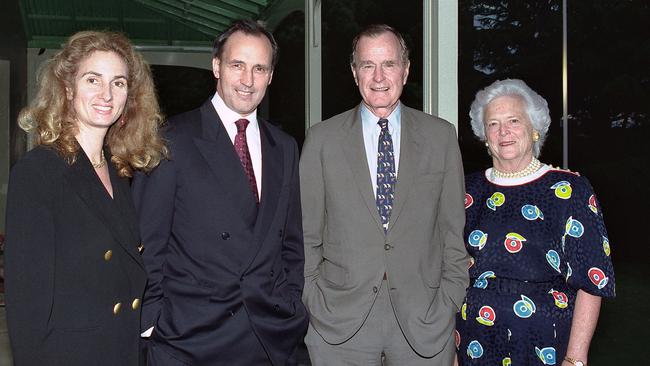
(376, 30)
(536, 108)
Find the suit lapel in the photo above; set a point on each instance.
(353, 147)
(410, 154)
(272, 173)
(219, 153)
(115, 214)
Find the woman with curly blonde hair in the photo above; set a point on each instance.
(133, 141)
(74, 276)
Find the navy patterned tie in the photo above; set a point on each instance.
(241, 146)
(386, 176)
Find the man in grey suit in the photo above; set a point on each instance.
(383, 216)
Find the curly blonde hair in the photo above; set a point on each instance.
(135, 144)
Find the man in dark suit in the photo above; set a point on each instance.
(221, 223)
(382, 194)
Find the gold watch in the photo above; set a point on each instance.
(574, 361)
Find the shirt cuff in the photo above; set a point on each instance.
(147, 333)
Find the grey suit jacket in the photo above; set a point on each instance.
(346, 250)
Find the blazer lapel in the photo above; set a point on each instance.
(123, 215)
(219, 153)
(354, 149)
(112, 213)
(410, 154)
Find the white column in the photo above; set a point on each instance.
(440, 71)
(313, 52)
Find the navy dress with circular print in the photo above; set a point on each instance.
(533, 245)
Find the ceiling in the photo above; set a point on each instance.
(179, 23)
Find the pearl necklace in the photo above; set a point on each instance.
(530, 169)
(100, 163)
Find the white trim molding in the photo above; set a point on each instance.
(440, 71)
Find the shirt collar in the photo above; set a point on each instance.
(394, 118)
(229, 116)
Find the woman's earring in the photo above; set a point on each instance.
(122, 122)
(535, 136)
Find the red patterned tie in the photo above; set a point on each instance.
(241, 146)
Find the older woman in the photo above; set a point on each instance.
(536, 234)
(74, 276)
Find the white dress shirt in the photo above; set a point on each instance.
(253, 139)
(371, 131)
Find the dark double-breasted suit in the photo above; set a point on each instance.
(74, 275)
(220, 268)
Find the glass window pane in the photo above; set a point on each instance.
(182, 88)
(509, 39)
(341, 21)
(609, 125)
(286, 95)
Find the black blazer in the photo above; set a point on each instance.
(210, 254)
(71, 257)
